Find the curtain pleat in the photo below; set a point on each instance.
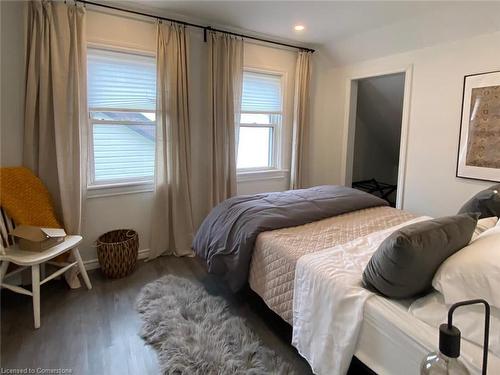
(300, 118)
(225, 65)
(172, 226)
(55, 106)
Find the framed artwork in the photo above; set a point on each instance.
(479, 146)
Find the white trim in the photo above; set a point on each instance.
(405, 131)
(350, 124)
(349, 131)
(124, 110)
(256, 124)
(261, 175)
(99, 191)
(93, 264)
(124, 122)
(113, 45)
(263, 113)
(110, 185)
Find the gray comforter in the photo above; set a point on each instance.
(227, 236)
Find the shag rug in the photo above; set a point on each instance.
(196, 333)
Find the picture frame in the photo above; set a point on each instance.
(478, 154)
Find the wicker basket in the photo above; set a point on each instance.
(117, 252)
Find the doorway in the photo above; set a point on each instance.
(375, 135)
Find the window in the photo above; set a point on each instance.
(260, 122)
(122, 104)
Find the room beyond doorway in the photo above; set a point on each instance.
(375, 144)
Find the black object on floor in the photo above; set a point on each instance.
(380, 189)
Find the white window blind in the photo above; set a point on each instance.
(122, 104)
(121, 80)
(261, 92)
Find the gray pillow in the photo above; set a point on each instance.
(405, 262)
(486, 202)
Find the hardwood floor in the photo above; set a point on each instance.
(95, 332)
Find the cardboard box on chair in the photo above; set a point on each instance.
(36, 238)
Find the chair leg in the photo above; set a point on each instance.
(35, 280)
(81, 267)
(3, 270)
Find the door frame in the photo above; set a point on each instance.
(350, 127)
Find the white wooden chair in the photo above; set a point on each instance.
(10, 253)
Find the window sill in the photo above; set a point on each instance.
(269, 174)
(109, 190)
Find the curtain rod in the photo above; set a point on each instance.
(204, 28)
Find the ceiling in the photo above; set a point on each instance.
(349, 31)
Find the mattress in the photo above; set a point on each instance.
(392, 341)
(272, 269)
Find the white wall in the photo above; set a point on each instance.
(435, 109)
(12, 83)
(323, 153)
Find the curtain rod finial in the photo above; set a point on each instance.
(205, 31)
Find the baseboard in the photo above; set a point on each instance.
(93, 264)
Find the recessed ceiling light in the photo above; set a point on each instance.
(299, 27)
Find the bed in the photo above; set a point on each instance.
(391, 340)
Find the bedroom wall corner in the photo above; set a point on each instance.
(323, 151)
(431, 187)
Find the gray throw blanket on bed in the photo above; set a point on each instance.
(227, 236)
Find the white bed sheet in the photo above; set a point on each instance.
(393, 342)
(329, 300)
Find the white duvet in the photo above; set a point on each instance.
(328, 301)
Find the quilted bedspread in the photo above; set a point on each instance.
(276, 252)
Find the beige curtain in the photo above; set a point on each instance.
(300, 118)
(225, 64)
(55, 106)
(172, 227)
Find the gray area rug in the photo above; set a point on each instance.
(196, 333)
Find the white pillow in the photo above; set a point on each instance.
(473, 272)
(483, 225)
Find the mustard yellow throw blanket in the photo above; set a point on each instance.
(27, 201)
(25, 198)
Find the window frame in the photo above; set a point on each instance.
(115, 186)
(277, 127)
